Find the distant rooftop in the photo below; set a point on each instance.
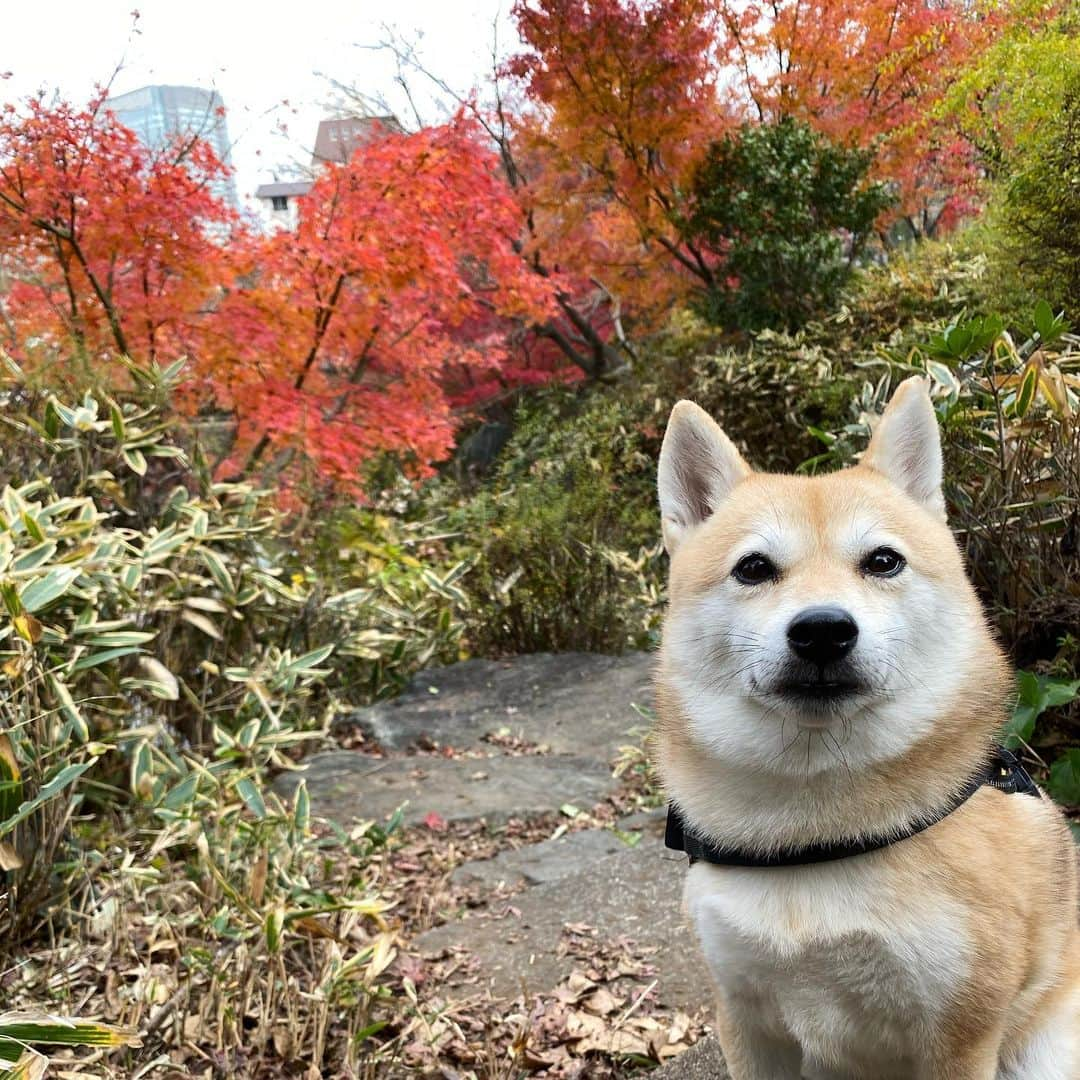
(337, 139)
(285, 188)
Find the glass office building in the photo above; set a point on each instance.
(158, 114)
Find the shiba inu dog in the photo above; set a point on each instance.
(870, 904)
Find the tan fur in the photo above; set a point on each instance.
(1005, 864)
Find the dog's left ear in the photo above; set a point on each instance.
(906, 446)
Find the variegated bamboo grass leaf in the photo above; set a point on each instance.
(21, 1033)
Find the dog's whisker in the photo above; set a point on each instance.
(839, 754)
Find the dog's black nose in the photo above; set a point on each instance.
(822, 635)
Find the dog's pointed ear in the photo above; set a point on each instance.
(906, 446)
(699, 465)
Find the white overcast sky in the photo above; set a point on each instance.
(257, 55)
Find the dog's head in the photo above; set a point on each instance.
(836, 605)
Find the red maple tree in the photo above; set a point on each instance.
(398, 296)
(346, 338)
(110, 248)
(623, 100)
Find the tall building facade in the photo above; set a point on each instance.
(159, 114)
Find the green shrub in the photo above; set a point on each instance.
(1040, 208)
(400, 601)
(787, 214)
(134, 641)
(562, 544)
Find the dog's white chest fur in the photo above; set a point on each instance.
(833, 957)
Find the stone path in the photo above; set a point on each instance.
(575, 703)
(348, 786)
(572, 714)
(635, 893)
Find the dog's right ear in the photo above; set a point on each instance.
(699, 465)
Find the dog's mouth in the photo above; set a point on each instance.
(819, 694)
(820, 689)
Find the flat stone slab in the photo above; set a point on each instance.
(346, 786)
(634, 893)
(538, 864)
(703, 1061)
(575, 703)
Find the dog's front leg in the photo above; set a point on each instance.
(753, 1048)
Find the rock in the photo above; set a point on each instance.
(652, 822)
(575, 703)
(347, 787)
(537, 864)
(702, 1061)
(634, 893)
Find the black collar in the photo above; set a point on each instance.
(1003, 771)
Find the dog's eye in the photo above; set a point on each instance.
(753, 569)
(883, 562)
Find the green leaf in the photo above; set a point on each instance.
(1027, 686)
(247, 735)
(42, 1029)
(183, 793)
(1044, 320)
(202, 622)
(253, 800)
(1020, 726)
(366, 1033)
(142, 771)
(1064, 782)
(164, 544)
(1026, 394)
(1058, 692)
(123, 637)
(52, 420)
(11, 599)
(135, 460)
(311, 659)
(301, 808)
(68, 708)
(171, 372)
(987, 330)
(32, 559)
(273, 928)
(161, 681)
(218, 571)
(32, 526)
(958, 340)
(64, 778)
(117, 419)
(104, 657)
(943, 376)
(12, 1053)
(1036, 694)
(45, 590)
